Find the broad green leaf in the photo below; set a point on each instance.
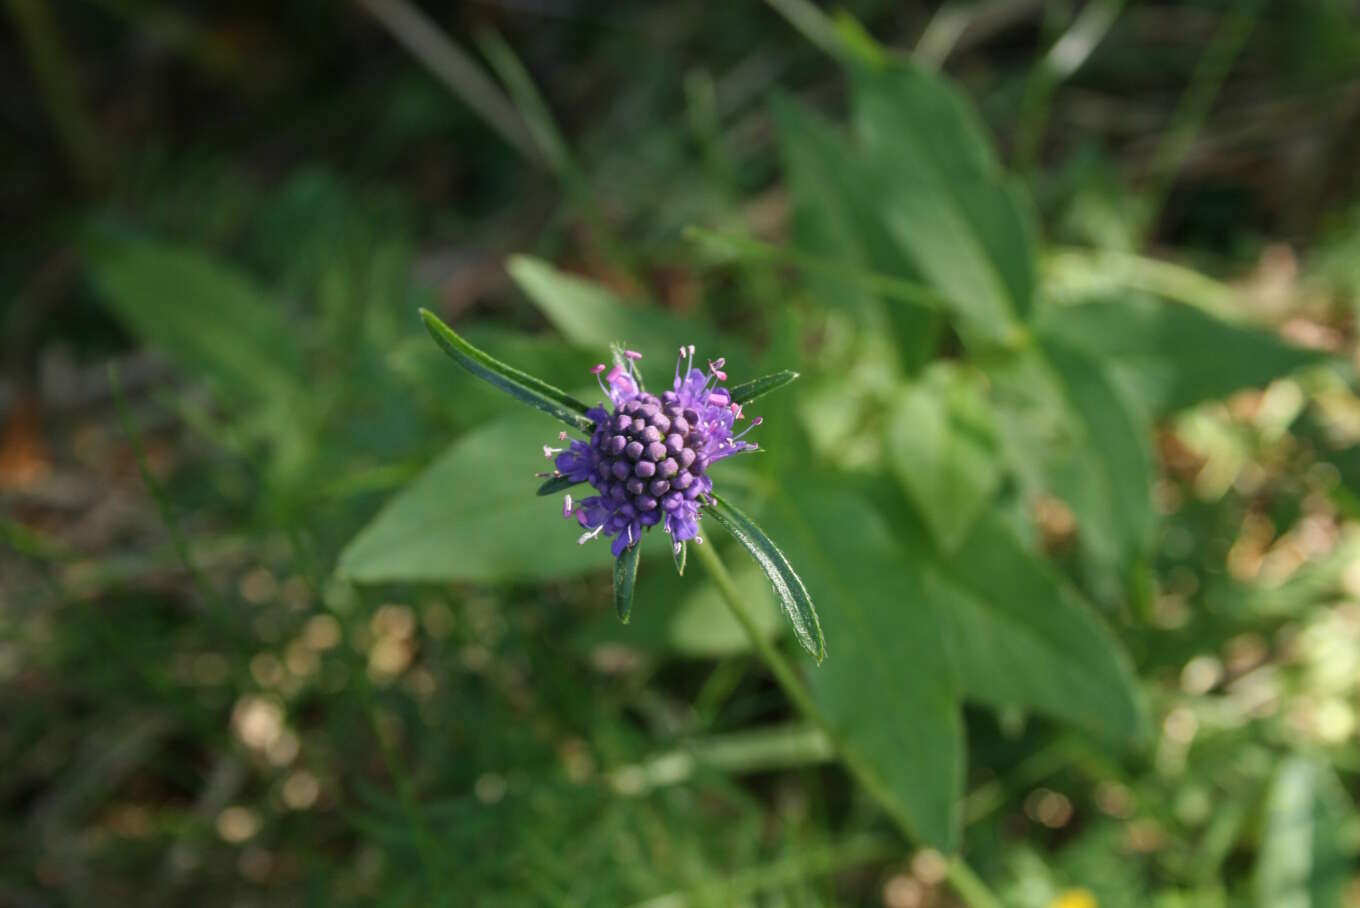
(1107, 477)
(519, 385)
(887, 688)
(942, 447)
(838, 216)
(209, 317)
(473, 515)
(625, 579)
(964, 225)
(1303, 861)
(590, 316)
(1020, 637)
(788, 588)
(748, 391)
(1173, 355)
(1068, 431)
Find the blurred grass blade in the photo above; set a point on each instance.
(533, 110)
(55, 73)
(793, 596)
(517, 384)
(555, 485)
(456, 69)
(746, 392)
(681, 554)
(625, 578)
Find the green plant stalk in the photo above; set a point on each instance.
(968, 886)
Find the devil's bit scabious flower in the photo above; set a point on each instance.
(648, 459)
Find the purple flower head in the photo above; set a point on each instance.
(648, 456)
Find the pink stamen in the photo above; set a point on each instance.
(716, 369)
(566, 506)
(632, 354)
(549, 452)
(561, 436)
(736, 411)
(597, 368)
(755, 422)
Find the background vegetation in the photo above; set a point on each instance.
(1070, 471)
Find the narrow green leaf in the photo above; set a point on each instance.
(517, 384)
(748, 391)
(793, 596)
(556, 484)
(625, 578)
(680, 553)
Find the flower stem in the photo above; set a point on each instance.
(965, 882)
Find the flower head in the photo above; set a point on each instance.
(648, 456)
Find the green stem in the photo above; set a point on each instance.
(774, 660)
(968, 886)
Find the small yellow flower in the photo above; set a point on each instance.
(1075, 898)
